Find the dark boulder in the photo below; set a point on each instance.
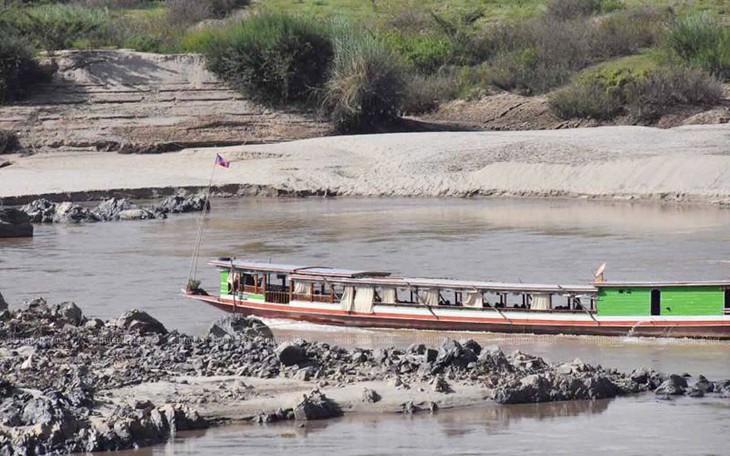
(40, 211)
(291, 353)
(14, 223)
(704, 385)
(493, 360)
(238, 325)
(675, 385)
(452, 353)
(3, 304)
(140, 321)
(316, 406)
(69, 312)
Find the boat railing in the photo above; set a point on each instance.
(277, 297)
(313, 297)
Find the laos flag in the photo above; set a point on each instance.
(222, 161)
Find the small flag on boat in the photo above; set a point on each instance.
(222, 161)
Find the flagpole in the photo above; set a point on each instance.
(196, 247)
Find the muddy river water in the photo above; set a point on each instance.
(108, 268)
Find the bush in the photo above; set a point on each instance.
(58, 26)
(16, 64)
(188, 12)
(650, 97)
(367, 84)
(701, 41)
(626, 32)
(644, 95)
(571, 9)
(271, 57)
(587, 99)
(145, 31)
(426, 93)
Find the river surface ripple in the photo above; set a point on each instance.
(108, 268)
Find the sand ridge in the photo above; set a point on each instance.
(690, 163)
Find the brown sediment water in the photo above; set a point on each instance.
(110, 267)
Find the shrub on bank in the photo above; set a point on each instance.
(367, 85)
(16, 64)
(643, 95)
(700, 40)
(273, 58)
(188, 12)
(57, 26)
(426, 93)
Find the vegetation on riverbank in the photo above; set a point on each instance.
(363, 63)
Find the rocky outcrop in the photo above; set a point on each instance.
(291, 353)
(69, 212)
(316, 406)
(3, 303)
(178, 204)
(113, 209)
(240, 326)
(14, 223)
(141, 322)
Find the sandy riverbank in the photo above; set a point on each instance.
(689, 163)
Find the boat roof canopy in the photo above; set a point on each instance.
(385, 279)
(312, 271)
(705, 283)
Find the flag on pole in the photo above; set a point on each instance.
(222, 161)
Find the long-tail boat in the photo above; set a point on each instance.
(382, 300)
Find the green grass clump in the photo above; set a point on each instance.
(367, 85)
(57, 26)
(272, 58)
(16, 62)
(701, 41)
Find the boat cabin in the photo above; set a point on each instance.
(360, 290)
(663, 298)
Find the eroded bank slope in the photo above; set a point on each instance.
(690, 163)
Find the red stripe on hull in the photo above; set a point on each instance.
(690, 329)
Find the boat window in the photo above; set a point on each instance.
(727, 299)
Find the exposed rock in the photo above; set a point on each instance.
(40, 211)
(111, 209)
(494, 360)
(73, 213)
(179, 203)
(673, 386)
(140, 321)
(371, 396)
(410, 408)
(442, 386)
(137, 214)
(290, 353)
(279, 415)
(14, 223)
(316, 406)
(69, 312)
(3, 303)
(452, 353)
(241, 326)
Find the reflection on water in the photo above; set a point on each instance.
(628, 426)
(108, 268)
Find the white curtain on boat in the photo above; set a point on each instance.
(389, 296)
(541, 302)
(302, 288)
(473, 299)
(364, 299)
(348, 299)
(429, 297)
